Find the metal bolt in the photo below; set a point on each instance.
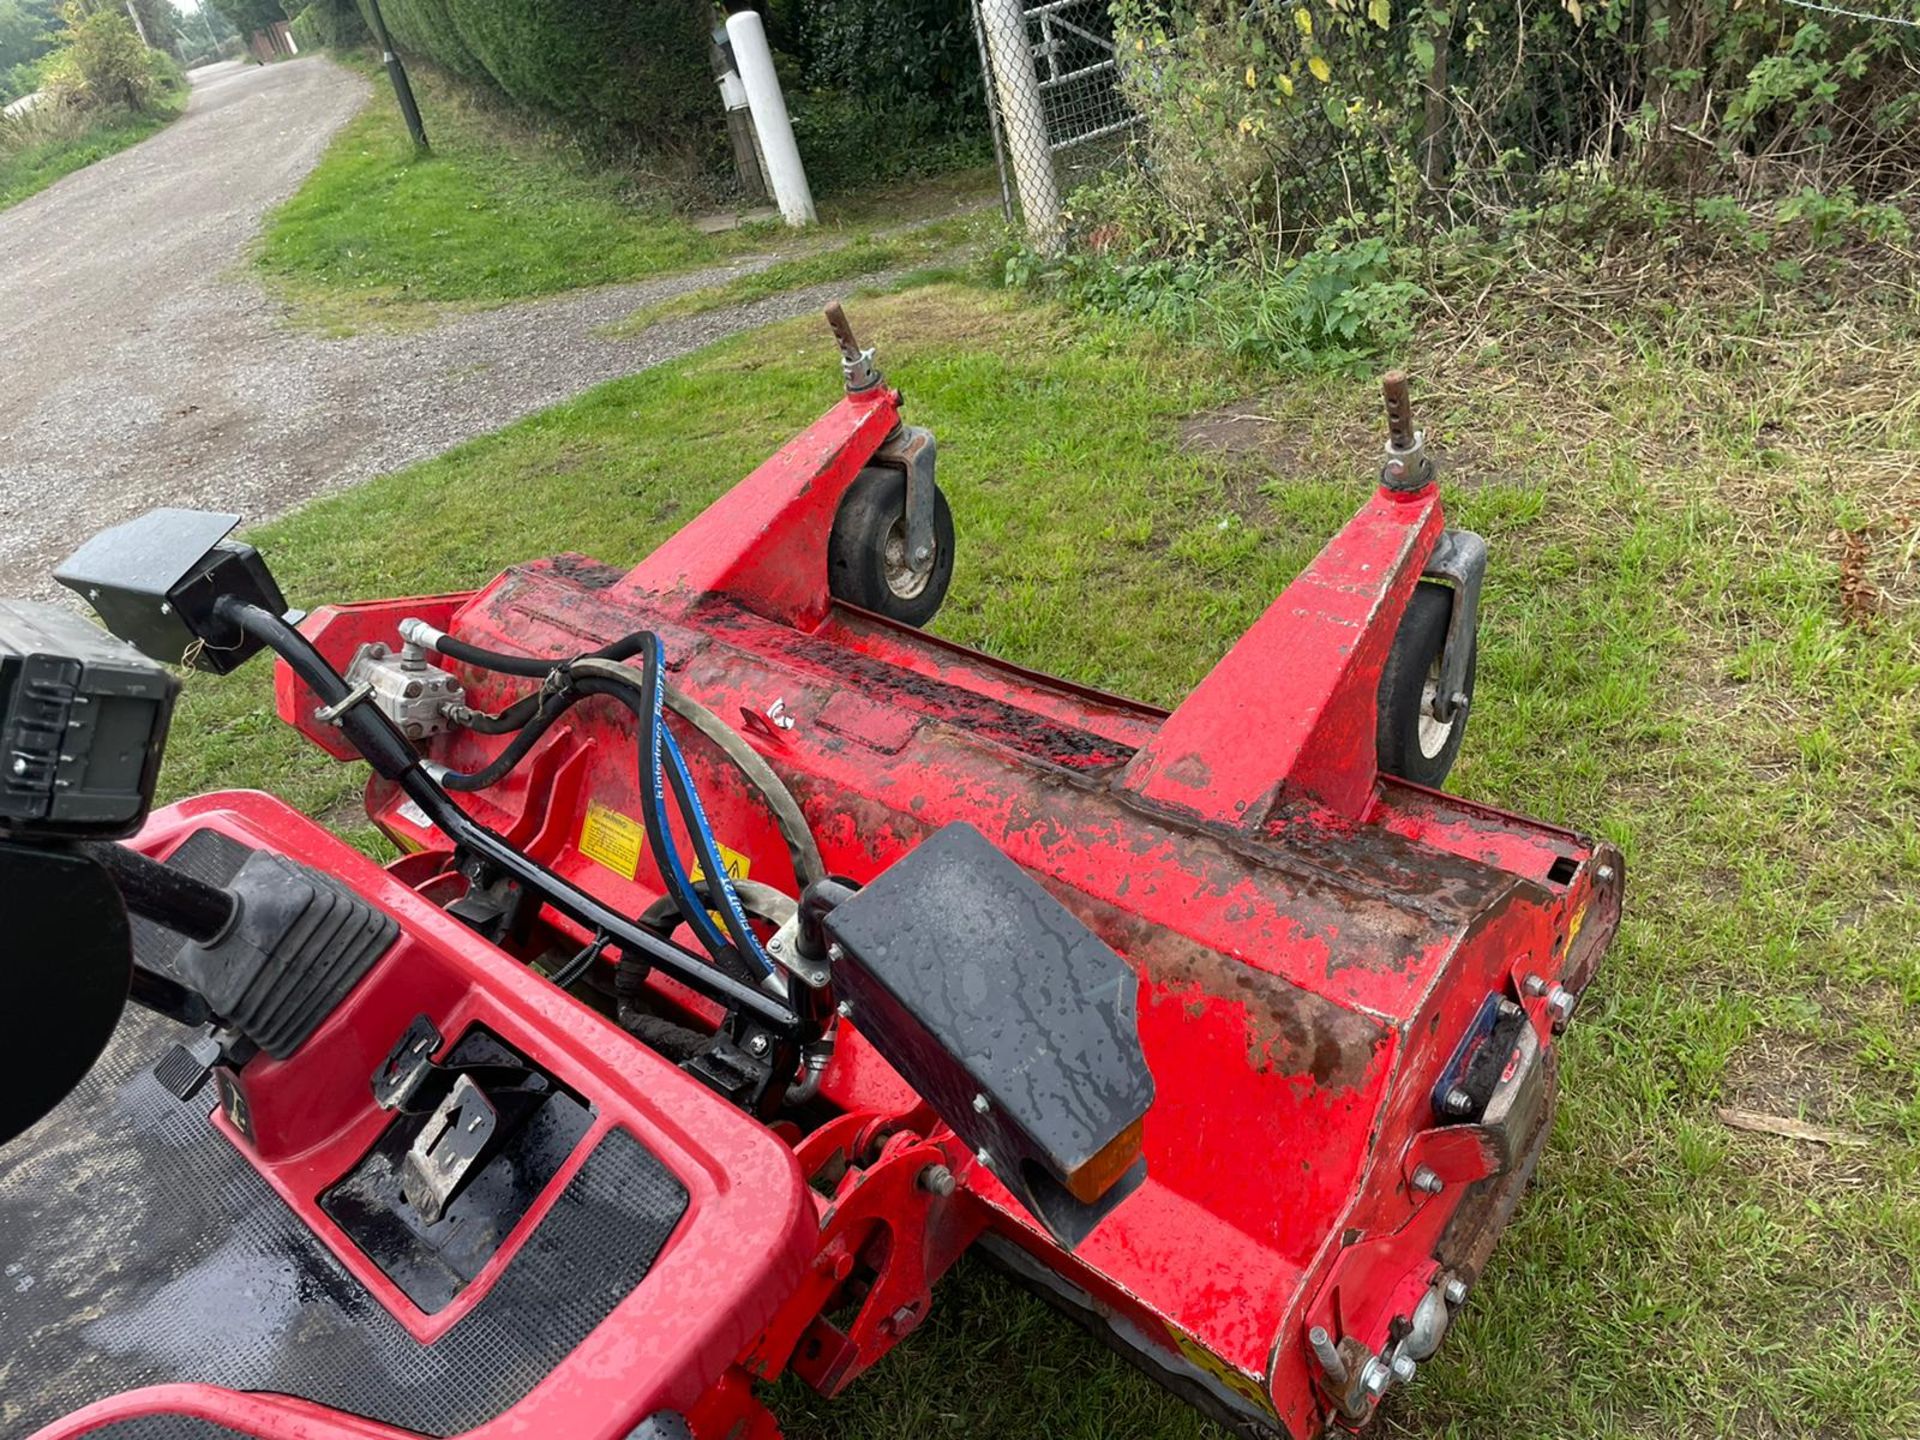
(1327, 1354)
(984, 1156)
(1425, 1180)
(844, 1009)
(757, 1044)
(1508, 1009)
(1404, 1369)
(937, 1180)
(922, 555)
(1560, 1004)
(165, 608)
(1604, 874)
(1375, 1377)
(94, 593)
(981, 1105)
(1457, 1101)
(19, 764)
(836, 953)
(1455, 1290)
(1534, 985)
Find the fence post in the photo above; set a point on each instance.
(770, 119)
(1023, 121)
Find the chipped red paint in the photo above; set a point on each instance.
(1311, 939)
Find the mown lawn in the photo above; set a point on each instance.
(501, 210)
(1666, 659)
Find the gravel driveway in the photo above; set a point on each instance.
(140, 366)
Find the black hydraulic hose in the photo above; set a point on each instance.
(394, 758)
(788, 817)
(516, 750)
(508, 720)
(530, 666)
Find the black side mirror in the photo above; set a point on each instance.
(68, 966)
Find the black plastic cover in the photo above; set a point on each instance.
(83, 720)
(155, 580)
(69, 963)
(972, 981)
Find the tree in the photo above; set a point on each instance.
(247, 16)
(26, 31)
(101, 62)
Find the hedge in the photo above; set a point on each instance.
(329, 25)
(636, 68)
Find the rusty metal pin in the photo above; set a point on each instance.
(1400, 433)
(843, 332)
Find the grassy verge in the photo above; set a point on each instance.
(1669, 656)
(29, 165)
(498, 211)
(865, 255)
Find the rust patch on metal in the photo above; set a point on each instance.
(1007, 725)
(586, 572)
(1290, 1031)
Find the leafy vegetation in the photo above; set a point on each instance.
(617, 70)
(1681, 504)
(101, 91)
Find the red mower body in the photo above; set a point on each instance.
(1316, 947)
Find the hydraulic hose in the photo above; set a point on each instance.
(791, 821)
(531, 667)
(393, 757)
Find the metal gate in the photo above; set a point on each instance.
(1052, 83)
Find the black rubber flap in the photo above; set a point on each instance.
(973, 982)
(138, 1247)
(302, 943)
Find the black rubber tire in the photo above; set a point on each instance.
(871, 512)
(1416, 651)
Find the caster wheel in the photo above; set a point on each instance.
(867, 552)
(1413, 744)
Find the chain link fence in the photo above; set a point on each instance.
(1053, 101)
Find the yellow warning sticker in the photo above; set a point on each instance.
(735, 862)
(1573, 930)
(612, 839)
(1235, 1384)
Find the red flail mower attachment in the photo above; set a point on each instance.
(753, 954)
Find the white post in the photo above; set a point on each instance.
(769, 108)
(1023, 121)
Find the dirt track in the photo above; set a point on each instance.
(143, 366)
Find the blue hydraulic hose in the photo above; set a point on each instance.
(653, 808)
(719, 882)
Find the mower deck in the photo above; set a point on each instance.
(1347, 990)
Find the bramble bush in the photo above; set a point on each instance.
(1311, 174)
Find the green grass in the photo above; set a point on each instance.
(31, 169)
(1664, 661)
(498, 210)
(865, 255)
